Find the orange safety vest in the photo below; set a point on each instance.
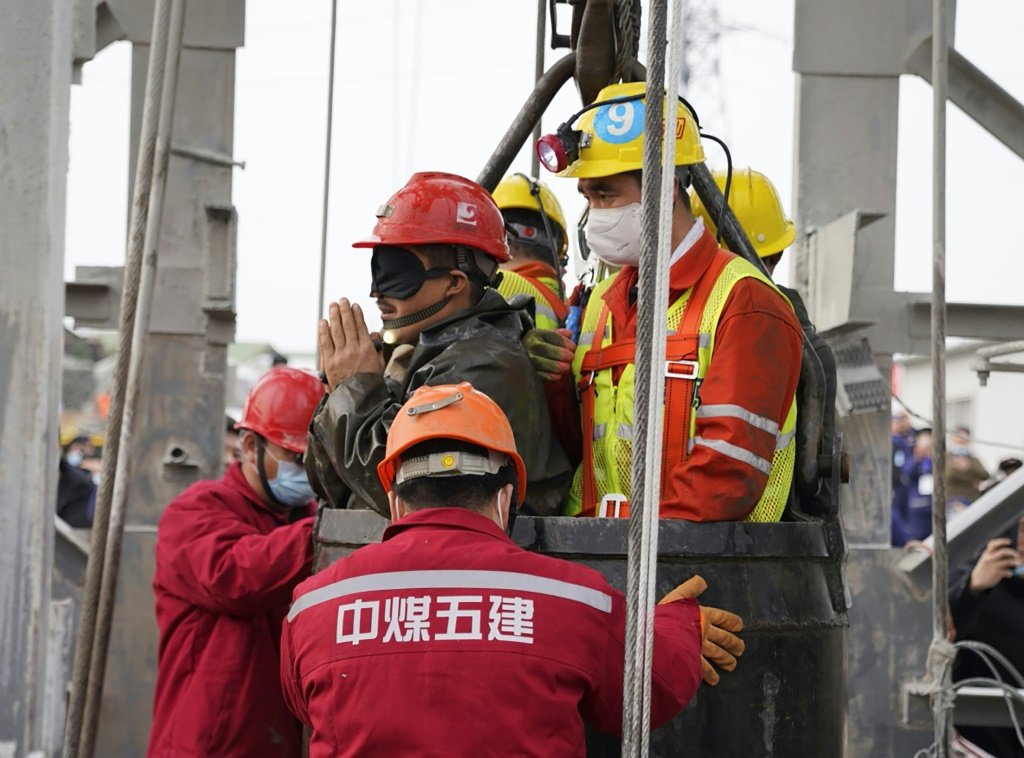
(550, 311)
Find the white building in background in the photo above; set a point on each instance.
(994, 413)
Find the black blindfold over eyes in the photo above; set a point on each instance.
(397, 272)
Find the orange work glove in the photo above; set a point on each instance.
(718, 641)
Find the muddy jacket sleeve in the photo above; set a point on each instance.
(349, 432)
(209, 557)
(675, 670)
(347, 439)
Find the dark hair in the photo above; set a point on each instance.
(470, 492)
(229, 425)
(80, 439)
(1009, 465)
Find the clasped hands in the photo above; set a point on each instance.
(347, 347)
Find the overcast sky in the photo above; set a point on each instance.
(415, 91)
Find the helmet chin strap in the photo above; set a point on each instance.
(262, 471)
(393, 325)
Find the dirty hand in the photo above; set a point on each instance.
(996, 563)
(719, 643)
(550, 352)
(346, 346)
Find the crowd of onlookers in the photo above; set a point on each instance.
(913, 477)
(986, 593)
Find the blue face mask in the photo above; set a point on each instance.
(74, 458)
(291, 485)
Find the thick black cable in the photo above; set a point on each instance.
(728, 182)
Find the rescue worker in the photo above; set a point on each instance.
(436, 249)
(733, 354)
(537, 243)
(964, 472)
(229, 552)
(448, 639)
(755, 201)
(758, 208)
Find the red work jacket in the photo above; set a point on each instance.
(449, 639)
(225, 570)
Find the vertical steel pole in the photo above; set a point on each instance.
(940, 662)
(327, 170)
(538, 72)
(147, 281)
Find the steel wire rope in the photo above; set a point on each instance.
(147, 284)
(327, 171)
(651, 335)
(627, 36)
(940, 657)
(126, 321)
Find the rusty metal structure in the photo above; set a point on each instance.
(822, 587)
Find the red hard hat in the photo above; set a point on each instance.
(280, 407)
(441, 209)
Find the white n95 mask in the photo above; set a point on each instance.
(613, 234)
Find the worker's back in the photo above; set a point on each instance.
(448, 639)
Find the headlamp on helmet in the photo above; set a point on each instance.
(556, 151)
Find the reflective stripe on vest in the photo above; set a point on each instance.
(607, 459)
(550, 311)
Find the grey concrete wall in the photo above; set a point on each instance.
(35, 89)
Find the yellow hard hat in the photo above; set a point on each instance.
(755, 201)
(612, 135)
(516, 191)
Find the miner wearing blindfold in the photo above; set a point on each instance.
(436, 249)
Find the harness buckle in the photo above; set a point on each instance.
(617, 500)
(673, 369)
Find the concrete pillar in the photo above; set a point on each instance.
(35, 90)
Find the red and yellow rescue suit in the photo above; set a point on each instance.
(539, 281)
(449, 639)
(732, 364)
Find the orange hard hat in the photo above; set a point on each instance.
(450, 412)
(435, 208)
(280, 406)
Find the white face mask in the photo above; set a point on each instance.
(613, 234)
